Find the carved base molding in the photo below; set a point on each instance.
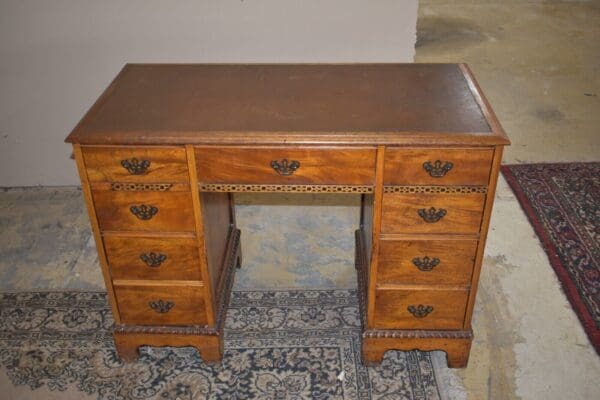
(412, 334)
(165, 330)
(207, 340)
(375, 342)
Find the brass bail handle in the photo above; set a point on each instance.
(161, 306)
(143, 211)
(285, 167)
(135, 166)
(432, 215)
(420, 311)
(153, 259)
(437, 169)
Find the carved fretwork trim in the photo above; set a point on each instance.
(218, 187)
(435, 189)
(141, 187)
(410, 334)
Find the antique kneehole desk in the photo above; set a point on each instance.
(162, 150)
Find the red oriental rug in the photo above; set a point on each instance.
(562, 201)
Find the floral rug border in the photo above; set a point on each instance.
(553, 252)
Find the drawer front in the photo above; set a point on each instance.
(432, 213)
(153, 258)
(144, 211)
(297, 166)
(420, 309)
(437, 166)
(161, 305)
(426, 262)
(136, 164)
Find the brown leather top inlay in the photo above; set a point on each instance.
(352, 103)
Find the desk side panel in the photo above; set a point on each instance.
(217, 220)
(89, 202)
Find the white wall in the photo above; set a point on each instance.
(57, 56)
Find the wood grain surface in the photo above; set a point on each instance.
(469, 166)
(456, 258)
(342, 166)
(134, 304)
(167, 164)
(218, 221)
(175, 211)
(391, 308)
(124, 258)
(285, 103)
(400, 213)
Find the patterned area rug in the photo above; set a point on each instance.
(278, 345)
(562, 202)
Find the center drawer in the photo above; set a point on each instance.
(161, 305)
(287, 166)
(162, 258)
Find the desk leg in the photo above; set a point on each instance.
(457, 345)
(209, 347)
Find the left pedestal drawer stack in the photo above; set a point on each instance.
(144, 209)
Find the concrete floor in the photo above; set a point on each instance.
(538, 64)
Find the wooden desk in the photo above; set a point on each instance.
(163, 148)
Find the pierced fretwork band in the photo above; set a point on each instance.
(218, 187)
(435, 189)
(141, 187)
(224, 187)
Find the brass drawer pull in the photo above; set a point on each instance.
(426, 264)
(431, 215)
(135, 166)
(437, 170)
(420, 311)
(152, 259)
(161, 306)
(143, 211)
(285, 167)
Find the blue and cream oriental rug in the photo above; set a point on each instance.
(292, 344)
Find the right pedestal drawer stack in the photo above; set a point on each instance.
(432, 212)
